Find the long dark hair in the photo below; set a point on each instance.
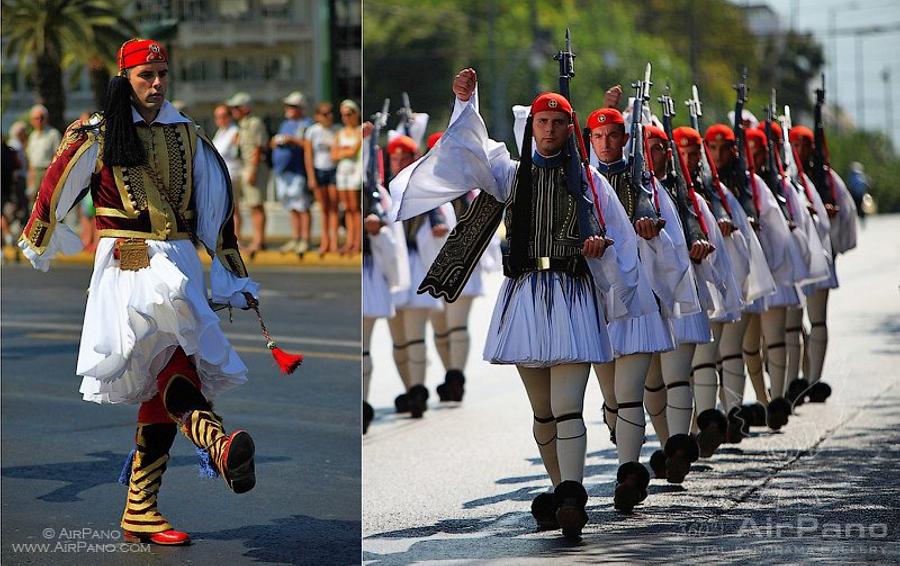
(121, 145)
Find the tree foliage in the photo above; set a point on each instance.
(49, 35)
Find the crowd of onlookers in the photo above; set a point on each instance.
(310, 159)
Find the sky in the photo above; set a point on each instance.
(879, 52)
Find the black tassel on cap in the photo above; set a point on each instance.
(122, 146)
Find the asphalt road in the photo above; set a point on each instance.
(61, 456)
(456, 485)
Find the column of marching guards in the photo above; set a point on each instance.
(710, 263)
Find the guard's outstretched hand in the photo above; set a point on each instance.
(595, 246)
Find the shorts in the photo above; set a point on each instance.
(291, 191)
(255, 194)
(349, 175)
(325, 177)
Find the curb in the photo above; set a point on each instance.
(12, 254)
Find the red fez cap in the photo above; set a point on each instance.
(801, 132)
(403, 143)
(136, 52)
(685, 136)
(433, 139)
(653, 132)
(776, 129)
(719, 132)
(551, 102)
(604, 116)
(756, 137)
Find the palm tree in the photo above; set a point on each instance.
(50, 35)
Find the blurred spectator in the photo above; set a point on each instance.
(253, 144)
(16, 211)
(320, 171)
(226, 143)
(42, 144)
(288, 148)
(346, 152)
(8, 167)
(858, 184)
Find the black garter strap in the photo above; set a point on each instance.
(818, 324)
(610, 409)
(794, 329)
(775, 346)
(678, 384)
(731, 357)
(749, 353)
(568, 417)
(543, 420)
(655, 389)
(704, 366)
(632, 405)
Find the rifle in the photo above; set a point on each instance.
(775, 174)
(406, 116)
(688, 209)
(372, 194)
(792, 158)
(578, 165)
(640, 174)
(821, 166)
(709, 176)
(745, 182)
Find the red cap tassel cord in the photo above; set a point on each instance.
(286, 361)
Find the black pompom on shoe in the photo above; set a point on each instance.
(453, 387)
(401, 403)
(418, 401)
(632, 480)
(571, 499)
(368, 413)
(713, 425)
(797, 391)
(543, 509)
(819, 391)
(777, 413)
(681, 451)
(658, 464)
(757, 413)
(736, 423)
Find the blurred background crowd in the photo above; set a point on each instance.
(274, 83)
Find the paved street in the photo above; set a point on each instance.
(62, 456)
(456, 486)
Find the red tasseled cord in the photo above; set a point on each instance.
(286, 361)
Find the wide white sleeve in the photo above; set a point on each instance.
(465, 158)
(629, 294)
(759, 281)
(668, 264)
(63, 240)
(843, 225)
(213, 203)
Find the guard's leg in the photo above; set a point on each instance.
(457, 315)
(711, 422)
(368, 413)
(414, 325)
(793, 328)
(232, 455)
(606, 376)
(567, 384)
(680, 448)
(773, 321)
(655, 403)
(401, 357)
(537, 386)
(818, 345)
(632, 478)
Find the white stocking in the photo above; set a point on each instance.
(631, 374)
(414, 323)
(458, 332)
(733, 379)
(400, 350)
(773, 335)
(368, 325)
(793, 325)
(676, 369)
(655, 400)
(818, 334)
(606, 376)
(441, 336)
(752, 358)
(537, 386)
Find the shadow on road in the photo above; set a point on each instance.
(82, 476)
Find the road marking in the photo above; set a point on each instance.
(59, 337)
(39, 325)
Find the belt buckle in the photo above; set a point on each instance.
(134, 254)
(542, 263)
